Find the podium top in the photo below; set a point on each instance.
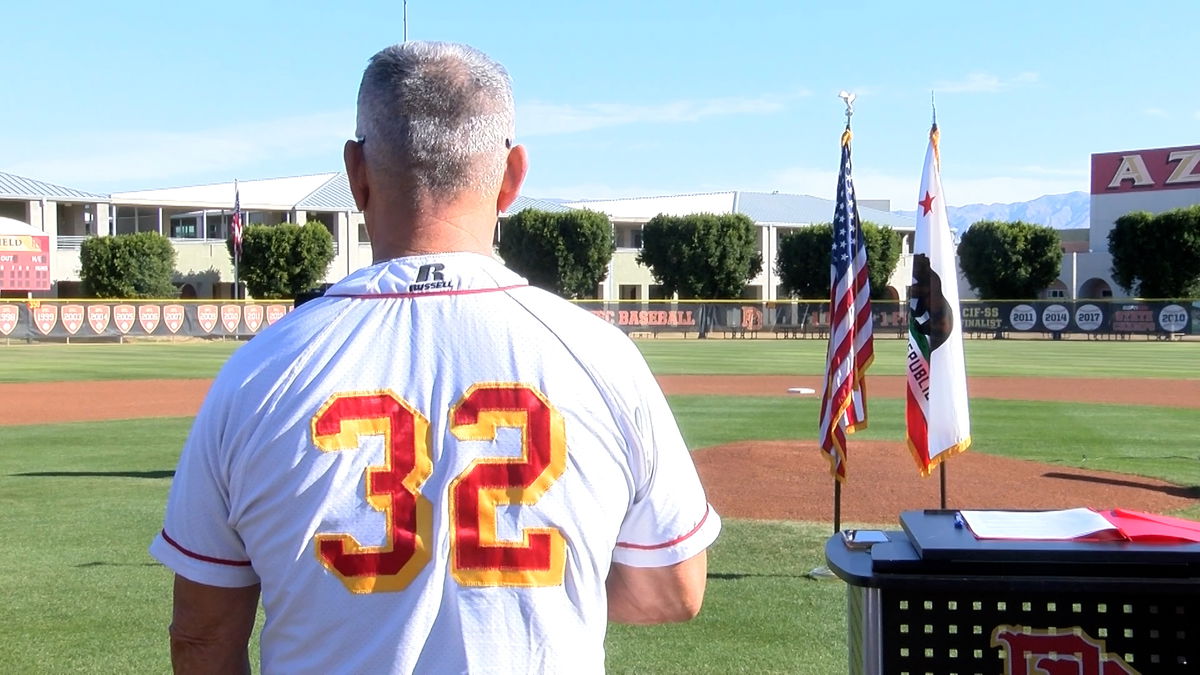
(935, 543)
(939, 535)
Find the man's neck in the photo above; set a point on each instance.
(399, 230)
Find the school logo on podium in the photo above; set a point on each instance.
(72, 318)
(124, 316)
(98, 318)
(1029, 651)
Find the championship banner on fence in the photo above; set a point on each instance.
(73, 319)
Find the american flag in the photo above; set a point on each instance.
(851, 348)
(235, 223)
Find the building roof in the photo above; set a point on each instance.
(780, 208)
(522, 203)
(762, 207)
(278, 194)
(334, 195)
(17, 187)
(645, 208)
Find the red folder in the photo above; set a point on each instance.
(1150, 527)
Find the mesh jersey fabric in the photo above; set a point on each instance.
(253, 492)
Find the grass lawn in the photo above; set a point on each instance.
(111, 361)
(1020, 358)
(79, 503)
(1023, 358)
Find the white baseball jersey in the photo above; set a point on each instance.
(430, 469)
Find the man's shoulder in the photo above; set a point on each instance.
(583, 317)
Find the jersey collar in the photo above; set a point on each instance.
(441, 273)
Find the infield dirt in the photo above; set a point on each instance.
(785, 480)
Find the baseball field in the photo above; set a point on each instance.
(92, 432)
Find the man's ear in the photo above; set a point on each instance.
(356, 172)
(514, 175)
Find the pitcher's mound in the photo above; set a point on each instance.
(789, 480)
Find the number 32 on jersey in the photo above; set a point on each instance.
(477, 556)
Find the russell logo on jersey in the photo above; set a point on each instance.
(430, 278)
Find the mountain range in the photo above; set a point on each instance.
(1062, 212)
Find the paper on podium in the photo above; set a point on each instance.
(1048, 525)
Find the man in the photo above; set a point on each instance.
(434, 467)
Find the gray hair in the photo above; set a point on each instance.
(439, 113)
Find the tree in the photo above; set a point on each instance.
(281, 261)
(802, 261)
(563, 252)
(1157, 256)
(701, 255)
(127, 266)
(1009, 259)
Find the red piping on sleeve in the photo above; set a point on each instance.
(205, 558)
(676, 540)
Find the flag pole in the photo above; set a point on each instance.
(837, 506)
(848, 99)
(851, 351)
(942, 475)
(237, 248)
(941, 465)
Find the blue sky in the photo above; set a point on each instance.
(615, 98)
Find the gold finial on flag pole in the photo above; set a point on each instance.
(848, 99)
(934, 134)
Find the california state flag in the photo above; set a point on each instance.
(939, 423)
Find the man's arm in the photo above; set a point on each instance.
(211, 627)
(649, 595)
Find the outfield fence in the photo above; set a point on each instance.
(64, 320)
(1098, 319)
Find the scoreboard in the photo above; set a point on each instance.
(24, 262)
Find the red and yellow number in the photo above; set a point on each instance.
(394, 489)
(478, 556)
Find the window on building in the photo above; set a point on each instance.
(629, 292)
(1056, 293)
(183, 228)
(657, 292)
(216, 225)
(752, 293)
(635, 238)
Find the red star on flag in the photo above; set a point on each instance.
(926, 204)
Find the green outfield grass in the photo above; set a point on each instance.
(80, 502)
(111, 361)
(1024, 358)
